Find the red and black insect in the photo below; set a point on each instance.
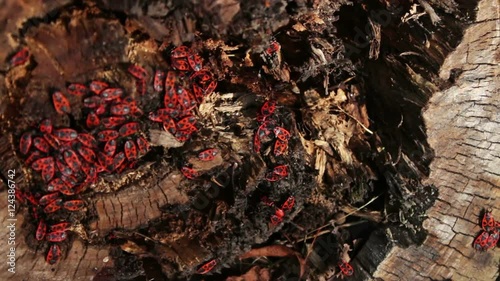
(54, 254)
(46, 126)
(54, 206)
(346, 268)
(189, 173)
(195, 62)
(186, 122)
(21, 57)
(41, 144)
(129, 129)
(279, 214)
(92, 120)
(61, 103)
(138, 72)
(142, 145)
(289, 203)
(57, 236)
(141, 86)
(180, 64)
(98, 86)
(107, 135)
(207, 267)
(62, 226)
(111, 94)
(488, 222)
(25, 143)
(267, 110)
(130, 150)
(281, 170)
(48, 170)
(41, 230)
(282, 133)
(110, 148)
(159, 80)
(66, 134)
(92, 102)
(71, 159)
(48, 198)
(55, 185)
(113, 121)
(87, 140)
(73, 205)
(180, 52)
(86, 153)
(481, 241)
(120, 109)
(280, 147)
(208, 155)
(118, 160)
(77, 89)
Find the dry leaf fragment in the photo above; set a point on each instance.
(276, 251)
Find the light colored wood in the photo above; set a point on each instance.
(463, 126)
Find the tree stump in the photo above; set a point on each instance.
(350, 81)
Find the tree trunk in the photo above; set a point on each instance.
(359, 132)
(463, 128)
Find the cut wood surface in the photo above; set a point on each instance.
(463, 125)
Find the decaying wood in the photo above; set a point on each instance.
(463, 126)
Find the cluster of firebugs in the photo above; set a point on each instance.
(69, 161)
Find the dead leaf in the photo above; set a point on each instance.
(254, 274)
(132, 248)
(276, 251)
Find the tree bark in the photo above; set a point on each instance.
(463, 125)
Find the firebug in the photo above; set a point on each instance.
(207, 267)
(61, 103)
(53, 255)
(41, 230)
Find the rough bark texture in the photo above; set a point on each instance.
(463, 126)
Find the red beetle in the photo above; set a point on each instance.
(57, 236)
(492, 241)
(55, 185)
(77, 89)
(48, 171)
(107, 135)
(110, 148)
(105, 161)
(113, 121)
(118, 160)
(98, 86)
(129, 129)
(130, 150)
(186, 122)
(170, 99)
(46, 126)
(51, 140)
(169, 126)
(208, 155)
(346, 268)
(282, 133)
(66, 134)
(280, 147)
(281, 170)
(170, 80)
(66, 190)
(207, 267)
(180, 52)
(62, 167)
(488, 222)
(63, 226)
(21, 57)
(54, 206)
(92, 102)
(86, 153)
(120, 109)
(142, 145)
(71, 159)
(210, 88)
(159, 80)
(289, 203)
(69, 181)
(41, 230)
(186, 100)
(48, 198)
(73, 205)
(195, 62)
(61, 103)
(180, 64)
(277, 218)
(25, 143)
(39, 164)
(41, 144)
(189, 173)
(92, 120)
(53, 255)
(481, 242)
(138, 72)
(87, 140)
(268, 108)
(111, 94)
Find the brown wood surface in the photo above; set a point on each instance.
(463, 125)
